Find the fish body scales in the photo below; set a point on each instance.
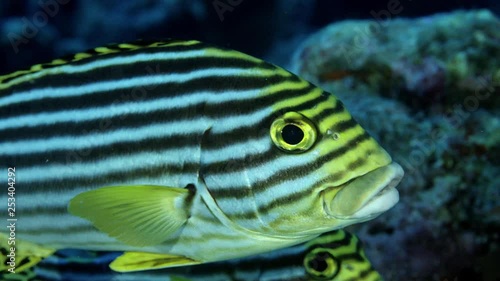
(254, 157)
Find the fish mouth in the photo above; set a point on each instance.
(366, 196)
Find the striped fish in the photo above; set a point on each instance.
(335, 256)
(180, 153)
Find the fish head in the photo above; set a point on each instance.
(343, 175)
(309, 168)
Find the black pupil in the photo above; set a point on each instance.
(292, 134)
(320, 265)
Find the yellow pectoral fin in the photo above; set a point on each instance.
(136, 261)
(140, 215)
(20, 255)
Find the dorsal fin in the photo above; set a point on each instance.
(99, 51)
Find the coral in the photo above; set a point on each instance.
(444, 57)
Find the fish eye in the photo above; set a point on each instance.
(321, 265)
(293, 132)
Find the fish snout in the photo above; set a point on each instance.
(366, 196)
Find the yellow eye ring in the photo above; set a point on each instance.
(293, 132)
(321, 265)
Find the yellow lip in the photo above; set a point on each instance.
(366, 196)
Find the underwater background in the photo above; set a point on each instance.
(423, 77)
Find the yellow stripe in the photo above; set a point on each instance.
(331, 102)
(291, 102)
(215, 52)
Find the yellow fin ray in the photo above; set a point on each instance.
(26, 254)
(140, 215)
(136, 261)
